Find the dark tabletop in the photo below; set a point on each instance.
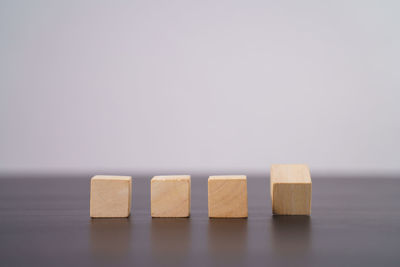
(45, 222)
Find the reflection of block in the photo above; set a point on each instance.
(170, 196)
(110, 196)
(290, 189)
(227, 196)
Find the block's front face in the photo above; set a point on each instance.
(291, 199)
(227, 197)
(110, 196)
(170, 196)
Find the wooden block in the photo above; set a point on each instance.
(227, 196)
(170, 196)
(110, 196)
(291, 189)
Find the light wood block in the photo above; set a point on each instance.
(227, 196)
(291, 189)
(110, 196)
(170, 196)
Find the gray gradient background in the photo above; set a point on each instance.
(199, 85)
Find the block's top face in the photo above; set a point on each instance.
(171, 178)
(290, 173)
(227, 177)
(112, 177)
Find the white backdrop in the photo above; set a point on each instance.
(199, 85)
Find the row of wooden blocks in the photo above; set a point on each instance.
(110, 196)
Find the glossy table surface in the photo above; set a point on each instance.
(45, 222)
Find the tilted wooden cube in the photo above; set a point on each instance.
(110, 196)
(227, 196)
(170, 196)
(291, 189)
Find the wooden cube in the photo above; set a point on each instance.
(291, 189)
(227, 196)
(170, 196)
(110, 196)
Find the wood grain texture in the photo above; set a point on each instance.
(110, 196)
(170, 196)
(227, 196)
(291, 189)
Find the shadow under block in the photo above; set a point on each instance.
(170, 196)
(110, 196)
(227, 196)
(291, 189)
